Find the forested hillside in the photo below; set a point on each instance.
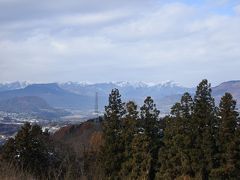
(198, 140)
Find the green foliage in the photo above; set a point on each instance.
(33, 152)
(129, 131)
(130, 125)
(112, 151)
(175, 156)
(142, 142)
(29, 149)
(150, 125)
(206, 127)
(131, 139)
(150, 119)
(141, 158)
(228, 140)
(199, 141)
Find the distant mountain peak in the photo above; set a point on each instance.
(133, 84)
(13, 85)
(44, 85)
(233, 82)
(122, 84)
(142, 84)
(51, 88)
(169, 83)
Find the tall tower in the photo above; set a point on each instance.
(96, 107)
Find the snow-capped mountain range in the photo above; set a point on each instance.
(136, 91)
(129, 90)
(13, 85)
(137, 84)
(81, 95)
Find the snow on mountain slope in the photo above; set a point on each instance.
(165, 94)
(13, 85)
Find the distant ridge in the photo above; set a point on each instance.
(13, 85)
(32, 105)
(52, 94)
(81, 96)
(232, 87)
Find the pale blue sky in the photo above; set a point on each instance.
(137, 40)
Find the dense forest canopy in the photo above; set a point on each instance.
(198, 140)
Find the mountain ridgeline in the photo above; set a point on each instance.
(33, 105)
(52, 94)
(198, 140)
(81, 96)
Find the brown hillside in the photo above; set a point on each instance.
(83, 137)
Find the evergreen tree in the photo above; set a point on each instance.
(176, 110)
(150, 125)
(186, 129)
(130, 130)
(130, 124)
(174, 157)
(228, 140)
(112, 151)
(186, 105)
(205, 126)
(150, 119)
(29, 150)
(169, 157)
(141, 160)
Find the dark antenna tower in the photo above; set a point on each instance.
(96, 107)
